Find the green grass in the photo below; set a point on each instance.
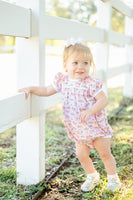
(67, 184)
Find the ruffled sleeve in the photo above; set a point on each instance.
(58, 81)
(95, 87)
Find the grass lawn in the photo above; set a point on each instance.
(66, 185)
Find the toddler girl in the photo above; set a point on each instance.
(83, 109)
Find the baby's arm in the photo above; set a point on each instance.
(101, 103)
(39, 91)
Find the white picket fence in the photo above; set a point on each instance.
(29, 23)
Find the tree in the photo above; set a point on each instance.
(81, 10)
(55, 8)
(118, 21)
(7, 41)
(76, 10)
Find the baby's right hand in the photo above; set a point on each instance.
(26, 91)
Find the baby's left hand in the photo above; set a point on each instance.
(84, 115)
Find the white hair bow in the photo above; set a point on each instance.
(72, 42)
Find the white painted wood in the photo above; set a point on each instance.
(131, 66)
(13, 110)
(104, 16)
(78, 29)
(122, 7)
(118, 70)
(59, 28)
(102, 49)
(14, 20)
(40, 104)
(118, 38)
(31, 133)
(128, 88)
(16, 109)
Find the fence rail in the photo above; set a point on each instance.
(122, 7)
(12, 16)
(30, 21)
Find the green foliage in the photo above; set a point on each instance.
(7, 41)
(81, 10)
(56, 9)
(7, 174)
(118, 21)
(76, 10)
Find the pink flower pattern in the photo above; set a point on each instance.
(78, 95)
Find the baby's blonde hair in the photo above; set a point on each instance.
(79, 50)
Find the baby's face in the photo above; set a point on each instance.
(77, 67)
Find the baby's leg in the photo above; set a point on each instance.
(82, 152)
(102, 145)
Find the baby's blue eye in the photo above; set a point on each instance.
(85, 63)
(75, 63)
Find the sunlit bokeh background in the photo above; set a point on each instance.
(83, 11)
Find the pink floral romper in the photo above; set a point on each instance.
(78, 95)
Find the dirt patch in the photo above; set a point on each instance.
(7, 142)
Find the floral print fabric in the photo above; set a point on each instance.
(78, 95)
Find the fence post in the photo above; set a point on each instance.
(128, 88)
(102, 49)
(31, 132)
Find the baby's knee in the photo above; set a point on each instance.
(82, 155)
(82, 151)
(105, 155)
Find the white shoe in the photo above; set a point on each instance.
(90, 183)
(113, 184)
